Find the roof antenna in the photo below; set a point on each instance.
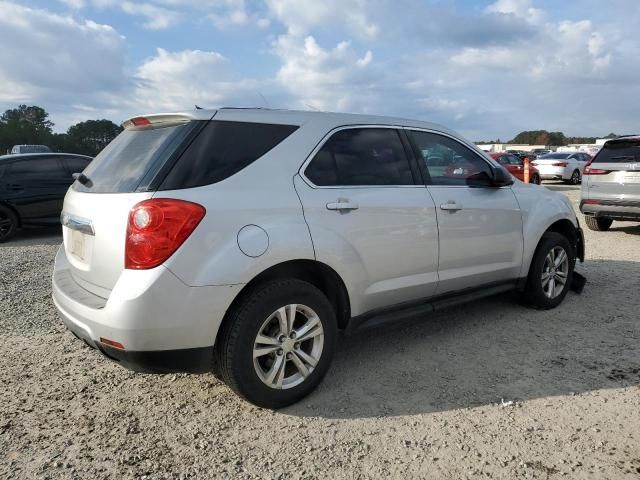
(198, 108)
(264, 100)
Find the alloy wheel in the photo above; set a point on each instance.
(555, 271)
(575, 177)
(288, 346)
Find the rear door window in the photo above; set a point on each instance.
(222, 149)
(361, 157)
(619, 152)
(75, 164)
(37, 167)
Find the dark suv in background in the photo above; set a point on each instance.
(32, 188)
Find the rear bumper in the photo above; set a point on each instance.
(553, 173)
(615, 209)
(163, 324)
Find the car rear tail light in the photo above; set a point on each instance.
(112, 343)
(156, 228)
(559, 164)
(589, 170)
(590, 201)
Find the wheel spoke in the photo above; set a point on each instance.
(560, 258)
(264, 340)
(559, 280)
(545, 279)
(292, 310)
(308, 359)
(561, 274)
(308, 330)
(282, 320)
(276, 369)
(260, 352)
(552, 287)
(302, 368)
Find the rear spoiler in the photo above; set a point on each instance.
(161, 119)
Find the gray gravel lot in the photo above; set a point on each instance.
(423, 400)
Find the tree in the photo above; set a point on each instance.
(90, 137)
(24, 125)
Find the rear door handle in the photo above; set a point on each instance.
(342, 205)
(451, 206)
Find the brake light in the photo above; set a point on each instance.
(156, 228)
(140, 121)
(588, 170)
(559, 164)
(590, 201)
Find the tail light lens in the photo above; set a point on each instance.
(560, 164)
(156, 228)
(589, 170)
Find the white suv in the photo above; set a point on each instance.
(241, 241)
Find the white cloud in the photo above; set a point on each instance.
(302, 16)
(158, 18)
(324, 79)
(518, 8)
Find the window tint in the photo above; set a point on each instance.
(361, 156)
(123, 164)
(222, 149)
(450, 163)
(75, 164)
(37, 167)
(619, 152)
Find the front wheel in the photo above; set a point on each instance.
(277, 344)
(551, 272)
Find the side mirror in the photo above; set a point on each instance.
(501, 178)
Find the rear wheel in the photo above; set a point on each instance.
(576, 178)
(551, 272)
(277, 344)
(535, 179)
(598, 224)
(8, 223)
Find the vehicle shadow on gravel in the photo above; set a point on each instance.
(35, 236)
(491, 350)
(631, 229)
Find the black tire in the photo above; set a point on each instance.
(598, 224)
(8, 223)
(534, 294)
(234, 348)
(535, 180)
(576, 178)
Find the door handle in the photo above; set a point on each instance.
(342, 206)
(451, 206)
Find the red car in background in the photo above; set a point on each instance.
(515, 165)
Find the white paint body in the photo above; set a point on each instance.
(396, 247)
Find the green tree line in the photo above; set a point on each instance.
(543, 137)
(30, 125)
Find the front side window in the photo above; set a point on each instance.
(361, 157)
(448, 162)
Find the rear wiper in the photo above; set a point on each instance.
(82, 178)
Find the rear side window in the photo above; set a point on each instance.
(37, 168)
(132, 157)
(619, 152)
(75, 164)
(222, 149)
(361, 156)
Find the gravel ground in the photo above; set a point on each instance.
(420, 401)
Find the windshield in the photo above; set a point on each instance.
(555, 155)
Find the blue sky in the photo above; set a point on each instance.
(487, 68)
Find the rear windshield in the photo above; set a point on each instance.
(619, 152)
(222, 149)
(134, 155)
(555, 155)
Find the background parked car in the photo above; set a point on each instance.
(539, 152)
(32, 188)
(566, 166)
(515, 165)
(18, 149)
(611, 189)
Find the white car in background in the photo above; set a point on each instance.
(566, 166)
